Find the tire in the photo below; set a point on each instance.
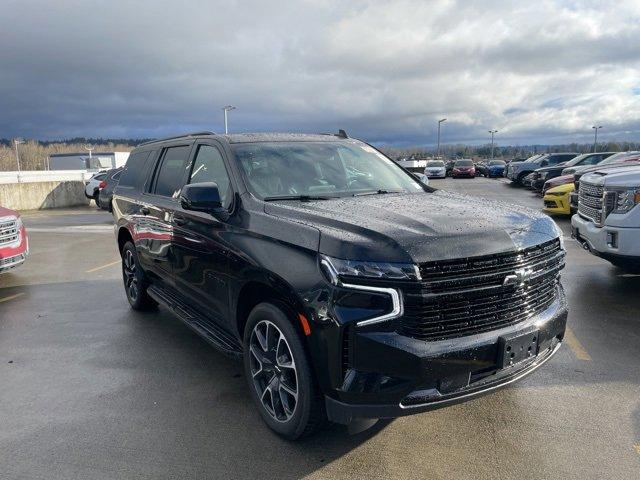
(520, 179)
(272, 365)
(135, 281)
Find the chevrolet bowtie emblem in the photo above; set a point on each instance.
(518, 277)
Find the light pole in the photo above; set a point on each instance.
(227, 108)
(595, 140)
(439, 123)
(492, 132)
(90, 148)
(16, 142)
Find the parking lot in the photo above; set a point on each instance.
(91, 389)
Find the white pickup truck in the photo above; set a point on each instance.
(608, 219)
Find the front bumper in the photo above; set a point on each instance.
(607, 241)
(558, 204)
(11, 257)
(394, 375)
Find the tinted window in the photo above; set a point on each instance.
(133, 169)
(117, 175)
(100, 177)
(168, 180)
(208, 166)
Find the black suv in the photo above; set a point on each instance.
(350, 290)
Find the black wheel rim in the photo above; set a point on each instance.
(273, 371)
(130, 278)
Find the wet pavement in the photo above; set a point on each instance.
(91, 389)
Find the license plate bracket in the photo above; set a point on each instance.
(517, 347)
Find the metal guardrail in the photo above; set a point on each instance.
(34, 176)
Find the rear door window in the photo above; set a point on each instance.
(170, 172)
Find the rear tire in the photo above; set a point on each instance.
(279, 374)
(135, 281)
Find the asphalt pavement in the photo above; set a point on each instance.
(92, 390)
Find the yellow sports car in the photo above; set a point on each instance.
(556, 200)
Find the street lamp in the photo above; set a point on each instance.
(227, 108)
(16, 142)
(595, 140)
(89, 147)
(492, 132)
(439, 123)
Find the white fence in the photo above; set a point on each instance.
(34, 176)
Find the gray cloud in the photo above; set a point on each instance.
(384, 70)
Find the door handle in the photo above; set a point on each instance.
(145, 211)
(179, 220)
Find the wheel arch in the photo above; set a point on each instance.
(259, 290)
(124, 236)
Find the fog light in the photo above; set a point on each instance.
(612, 239)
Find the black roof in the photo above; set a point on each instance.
(260, 137)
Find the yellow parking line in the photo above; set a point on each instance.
(103, 266)
(11, 297)
(637, 448)
(574, 344)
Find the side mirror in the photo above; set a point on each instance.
(203, 197)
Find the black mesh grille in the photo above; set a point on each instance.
(463, 297)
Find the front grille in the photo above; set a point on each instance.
(590, 202)
(8, 232)
(468, 296)
(550, 204)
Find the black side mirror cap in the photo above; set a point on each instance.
(203, 197)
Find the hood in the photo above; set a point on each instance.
(5, 212)
(417, 227)
(628, 177)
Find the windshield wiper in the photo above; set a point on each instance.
(302, 198)
(377, 192)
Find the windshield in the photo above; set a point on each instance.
(435, 163)
(620, 157)
(326, 169)
(576, 160)
(463, 163)
(534, 158)
(496, 162)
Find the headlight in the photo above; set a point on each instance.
(621, 200)
(335, 268)
(18, 223)
(543, 175)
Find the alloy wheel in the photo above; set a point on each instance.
(130, 278)
(273, 370)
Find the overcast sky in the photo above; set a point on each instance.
(539, 72)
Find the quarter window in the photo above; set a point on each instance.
(208, 166)
(132, 170)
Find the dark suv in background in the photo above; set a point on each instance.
(350, 290)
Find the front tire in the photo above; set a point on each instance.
(279, 374)
(135, 281)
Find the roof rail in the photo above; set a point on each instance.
(194, 134)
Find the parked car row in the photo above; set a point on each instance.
(100, 187)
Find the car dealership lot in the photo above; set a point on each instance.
(91, 389)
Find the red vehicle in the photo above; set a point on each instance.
(556, 182)
(14, 243)
(463, 168)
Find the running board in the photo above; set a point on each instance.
(203, 326)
